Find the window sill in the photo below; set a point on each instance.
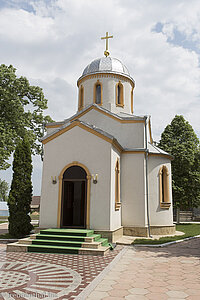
(100, 104)
(117, 205)
(165, 204)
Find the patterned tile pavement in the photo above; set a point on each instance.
(142, 273)
(49, 276)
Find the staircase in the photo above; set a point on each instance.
(65, 241)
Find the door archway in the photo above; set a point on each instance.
(74, 196)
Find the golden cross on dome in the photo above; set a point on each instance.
(106, 52)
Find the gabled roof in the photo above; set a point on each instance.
(90, 128)
(152, 150)
(123, 119)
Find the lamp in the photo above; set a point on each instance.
(95, 178)
(53, 179)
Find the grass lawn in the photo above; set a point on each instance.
(188, 229)
(33, 217)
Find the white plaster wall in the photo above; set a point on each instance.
(133, 190)
(90, 150)
(108, 93)
(158, 216)
(129, 135)
(49, 196)
(115, 215)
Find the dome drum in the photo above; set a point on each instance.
(106, 82)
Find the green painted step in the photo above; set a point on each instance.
(104, 242)
(53, 249)
(67, 241)
(68, 232)
(66, 237)
(57, 243)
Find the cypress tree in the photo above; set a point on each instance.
(180, 140)
(20, 195)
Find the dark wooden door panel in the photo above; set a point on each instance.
(74, 203)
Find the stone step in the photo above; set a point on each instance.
(74, 244)
(77, 242)
(88, 239)
(52, 249)
(102, 251)
(93, 245)
(68, 232)
(25, 241)
(19, 247)
(103, 241)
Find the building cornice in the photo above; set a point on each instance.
(101, 110)
(105, 136)
(106, 75)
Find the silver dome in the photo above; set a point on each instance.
(106, 64)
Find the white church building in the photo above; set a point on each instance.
(101, 168)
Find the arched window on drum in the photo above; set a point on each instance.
(119, 94)
(98, 93)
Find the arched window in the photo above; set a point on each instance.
(98, 93)
(80, 102)
(164, 187)
(117, 186)
(132, 100)
(119, 94)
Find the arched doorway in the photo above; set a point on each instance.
(74, 197)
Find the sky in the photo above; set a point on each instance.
(52, 41)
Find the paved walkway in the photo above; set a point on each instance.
(49, 276)
(170, 273)
(140, 273)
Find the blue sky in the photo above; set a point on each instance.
(179, 38)
(51, 42)
(13, 4)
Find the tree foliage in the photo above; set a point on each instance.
(21, 113)
(180, 140)
(4, 187)
(20, 195)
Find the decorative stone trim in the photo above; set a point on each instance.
(155, 230)
(119, 94)
(94, 93)
(132, 100)
(165, 205)
(111, 235)
(106, 75)
(117, 185)
(81, 98)
(164, 190)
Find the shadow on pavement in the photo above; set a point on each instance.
(187, 249)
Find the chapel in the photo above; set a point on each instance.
(101, 167)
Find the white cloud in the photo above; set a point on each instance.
(52, 44)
